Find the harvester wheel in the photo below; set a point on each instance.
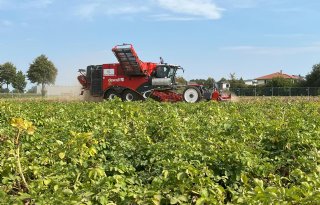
(129, 95)
(191, 94)
(111, 94)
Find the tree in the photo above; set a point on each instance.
(32, 90)
(280, 82)
(222, 80)
(235, 82)
(180, 80)
(42, 71)
(198, 81)
(19, 83)
(313, 78)
(7, 73)
(1, 80)
(208, 83)
(233, 76)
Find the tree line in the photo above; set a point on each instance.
(312, 79)
(41, 71)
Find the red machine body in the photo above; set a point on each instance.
(113, 75)
(132, 79)
(216, 95)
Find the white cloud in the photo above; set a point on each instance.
(273, 5)
(243, 3)
(6, 23)
(26, 4)
(87, 10)
(168, 17)
(127, 10)
(289, 35)
(108, 7)
(288, 10)
(260, 50)
(161, 10)
(200, 8)
(39, 4)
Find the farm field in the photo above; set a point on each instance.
(260, 152)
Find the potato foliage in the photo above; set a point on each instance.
(159, 153)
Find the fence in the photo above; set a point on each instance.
(277, 91)
(19, 95)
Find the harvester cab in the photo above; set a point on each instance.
(165, 73)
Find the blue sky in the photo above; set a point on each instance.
(209, 38)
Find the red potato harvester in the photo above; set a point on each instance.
(132, 79)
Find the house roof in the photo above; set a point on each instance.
(299, 77)
(277, 75)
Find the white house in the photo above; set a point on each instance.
(264, 79)
(224, 85)
(250, 82)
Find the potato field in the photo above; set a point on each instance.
(261, 152)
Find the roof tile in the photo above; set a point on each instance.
(276, 75)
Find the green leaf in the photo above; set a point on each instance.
(174, 200)
(46, 182)
(62, 155)
(182, 198)
(67, 191)
(201, 201)
(258, 183)
(92, 151)
(59, 142)
(180, 175)
(156, 199)
(244, 179)
(165, 173)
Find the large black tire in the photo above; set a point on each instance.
(129, 95)
(111, 94)
(191, 94)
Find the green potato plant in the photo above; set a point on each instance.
(261, 152)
